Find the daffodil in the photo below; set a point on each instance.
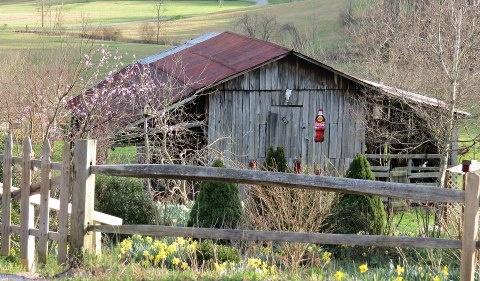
(363, 268)
(181, 241)
(184, 265)
(254, 263)
(400, 270)
(436, 278)
(149, 239)
(327, 257)
(339, 275)
(445, 271)
(399, 278)
(175, 261)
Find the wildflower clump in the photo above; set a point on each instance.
(178, 254)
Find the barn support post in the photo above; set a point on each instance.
(83, 195)
(470, 227)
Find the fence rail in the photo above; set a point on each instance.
(282, 236)
(344, 185)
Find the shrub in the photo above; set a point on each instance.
(275, 160)
(173, 214)
(209, 251)
(285, 209)
(125, 198)
(359, 213)
(217, 204)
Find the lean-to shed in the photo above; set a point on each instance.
(254, 94)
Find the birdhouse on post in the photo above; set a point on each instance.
(319, 126)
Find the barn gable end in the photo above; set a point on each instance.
(249, 113)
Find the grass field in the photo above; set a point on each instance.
(18, 14)
(183, 19)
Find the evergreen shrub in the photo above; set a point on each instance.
(217, 204)
(359, 213)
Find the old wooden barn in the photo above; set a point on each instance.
(253, 94)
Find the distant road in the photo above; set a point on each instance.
(261, 2)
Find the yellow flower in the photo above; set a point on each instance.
(180, 241)
(445, 271)
(363, 268)
(149, 239)
(192, 247)
(175, 261)
(146, 253)
(399, 278)
(436, 278)
(255, 263)
(310, 249)
(184, 265)
(218, 267)
(400, 270)
(339, 275)
(123, 250)
(172, 248)
(145, 262)
(327, 257)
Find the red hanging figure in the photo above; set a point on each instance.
(319, 126)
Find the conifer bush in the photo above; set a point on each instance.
(217, 204)
(359, 213)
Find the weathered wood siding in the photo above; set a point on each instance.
(249, 113)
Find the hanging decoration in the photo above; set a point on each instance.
(319, 126)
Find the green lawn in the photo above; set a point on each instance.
(18, 14)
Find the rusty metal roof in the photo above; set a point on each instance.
(217, 58)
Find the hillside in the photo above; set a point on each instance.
(180, 21)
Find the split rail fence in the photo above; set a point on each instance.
(83, 224)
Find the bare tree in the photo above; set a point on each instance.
(431, 47)
(160, 8)
(259, 26)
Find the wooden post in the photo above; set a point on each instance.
(83, 195)
(97, 241)
(42, 249)
(470, 227)
(65, 190)
(27, 242)
(6, 201)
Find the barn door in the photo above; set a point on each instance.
(284, 128)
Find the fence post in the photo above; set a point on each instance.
(44, 220)
(6, 201)
(83, 195)
(27, 242)
(64, 197)
(470, 227)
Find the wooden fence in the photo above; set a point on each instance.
(83, 224)
(410, 172)
(39, 194)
